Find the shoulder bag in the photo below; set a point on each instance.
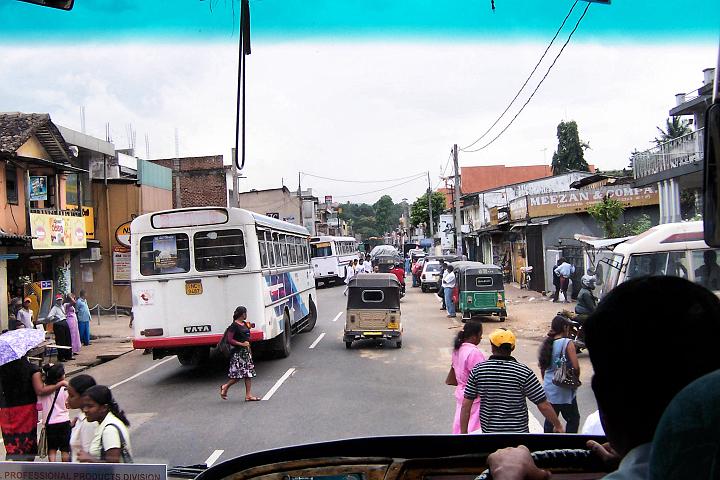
(42, 441)
(565, 375)
(124, 452)
(224, 346)
(451, 378)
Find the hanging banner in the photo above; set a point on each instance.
(38, 188)
(89, 215)
(52, 232)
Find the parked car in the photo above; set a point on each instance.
(431, 276)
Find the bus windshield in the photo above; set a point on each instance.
(318, 250)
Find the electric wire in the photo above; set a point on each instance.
(577, 24)
(380, 190)
(527, 80)
(364, 181)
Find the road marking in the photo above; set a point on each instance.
(317, 340)
(213, 458)
(337, 316)
(142, 372)
(285, 376)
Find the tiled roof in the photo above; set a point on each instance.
(16, 128)
(478, 179)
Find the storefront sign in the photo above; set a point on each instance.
(518, 209)
(122, 234)
(446, 230)
(38, 188)
(576, 201)
(81, 471)
(57, 231)
(89, 216)
(121, 265)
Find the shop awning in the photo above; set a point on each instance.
(598, 243)
(543, 220)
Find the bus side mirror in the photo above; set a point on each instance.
(61, 4)
(711, 181)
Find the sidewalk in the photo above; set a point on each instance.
(110, 338)
(530, 313)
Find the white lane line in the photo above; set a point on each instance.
(337, 316)
(285, 376)
(317, 340)
(142, 372)
(213, 458)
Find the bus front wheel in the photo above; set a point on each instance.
(281, 343)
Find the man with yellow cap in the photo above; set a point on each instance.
(503, 384)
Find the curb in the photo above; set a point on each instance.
(81, 368)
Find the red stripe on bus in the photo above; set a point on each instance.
(684, 237)
(173, 342)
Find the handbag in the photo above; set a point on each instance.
(451, 378)
(42, 441)
(124, 452)
(224, 346)
(565, 375)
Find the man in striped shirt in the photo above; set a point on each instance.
(503, 384)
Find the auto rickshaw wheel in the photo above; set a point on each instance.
(398, 344)
(502, 319)
(348, 345)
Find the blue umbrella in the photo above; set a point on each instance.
(16, 343)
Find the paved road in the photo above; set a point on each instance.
(329, 392)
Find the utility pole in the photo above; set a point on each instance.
(300, 202)
(432, 228)
(458, 220)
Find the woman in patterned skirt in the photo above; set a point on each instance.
(241, 362)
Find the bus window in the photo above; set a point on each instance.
(276, 248)
(706, 268)
(677, 264)
(163, 254)
(283, 250)
(263, 248)
(649, 264)
(219, 250)
(292, 251)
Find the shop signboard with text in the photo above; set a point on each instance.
(89, 215)
(121, 265)
(51, 231)
(577, 201)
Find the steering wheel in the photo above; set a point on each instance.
(571, 459)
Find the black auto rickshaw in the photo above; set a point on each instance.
(373, 309)
(479, 289)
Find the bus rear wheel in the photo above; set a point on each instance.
(281, 343)
(312, 317)
(192, 357)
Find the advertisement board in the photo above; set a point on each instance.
(121, 265)
(52, 232)
(576, 201)
(89, 215)
(446, 230)
(38, 188)
(122, 234)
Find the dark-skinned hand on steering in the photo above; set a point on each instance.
(606, 454)
(515, 463)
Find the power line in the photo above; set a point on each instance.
(527, 80)
(380, 190)
(536, 88)
(362, 181)
(447, 163)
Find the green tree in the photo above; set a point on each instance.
(606, 213)
(570, 152)
(385, 214)
(674, 128)
(419, 210)
(636, 227)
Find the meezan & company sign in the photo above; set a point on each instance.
(578, 201)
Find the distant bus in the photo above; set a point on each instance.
(192, 267)
(676, 249)
(331, 256)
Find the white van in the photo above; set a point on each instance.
(670, 249)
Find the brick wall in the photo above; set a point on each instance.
(201, 179)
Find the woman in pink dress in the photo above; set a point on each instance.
(72, 321)
(465, 356)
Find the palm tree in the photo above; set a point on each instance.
(674, 128)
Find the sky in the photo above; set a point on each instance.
(357, 90)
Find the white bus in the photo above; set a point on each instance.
(192, 267)
(331, 256)
(676, 249)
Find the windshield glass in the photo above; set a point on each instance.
(173, 161)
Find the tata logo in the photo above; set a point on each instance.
(198, 329)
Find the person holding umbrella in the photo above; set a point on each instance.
(20, 385)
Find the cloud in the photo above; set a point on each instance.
(355, 110)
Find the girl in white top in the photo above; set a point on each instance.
(111, 443)
(83, 431)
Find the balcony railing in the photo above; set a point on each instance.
(675, 153)
(56, 211)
